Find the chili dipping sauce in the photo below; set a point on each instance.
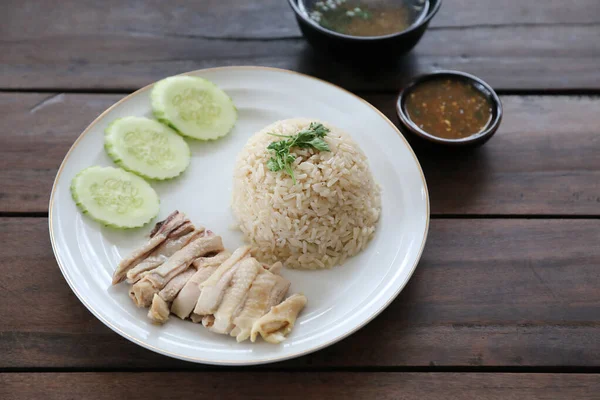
(449, 109)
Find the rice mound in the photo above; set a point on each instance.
(331, 212)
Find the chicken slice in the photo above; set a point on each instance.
(184, 303)
(158, 235)
(234, 297)
(261, 297)
(278, 292)
(161, 254)
(223, 284)
(214, 261)
(159, 311)
(142, 293)
(214, 287)
(182, 259)
(153, 281)
(172, 288)
(275, 268)
(279, 322)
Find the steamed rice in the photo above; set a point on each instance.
(330, 214)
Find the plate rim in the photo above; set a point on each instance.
(259, 361)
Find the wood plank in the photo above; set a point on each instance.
(508, 57)
(267, 19)
(331, 385)
(95, 47)
(543, 160)
(37, 132)
(491, 293)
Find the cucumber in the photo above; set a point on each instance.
(194, 107)
(114, 197)
(146, 147)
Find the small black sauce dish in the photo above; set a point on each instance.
(348, 46)
(482, 87)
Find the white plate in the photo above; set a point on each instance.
(340, 300)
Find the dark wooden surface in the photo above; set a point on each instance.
(544, 159)
(505, 303)
(116, 45)
(305, 385)
(487, 293)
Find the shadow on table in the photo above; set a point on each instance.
(456, 178)
(356, 74)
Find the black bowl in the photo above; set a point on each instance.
(474, 140)
(357, 46)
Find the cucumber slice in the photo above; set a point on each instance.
(195, 107)
(114, 197)
(146, 147)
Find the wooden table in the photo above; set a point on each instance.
(505, 303)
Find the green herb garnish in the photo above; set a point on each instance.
(282, 159)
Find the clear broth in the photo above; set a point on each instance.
(366, 17)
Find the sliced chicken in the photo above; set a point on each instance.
(158, 235)
(153, 281)
(142, 293)
(184, 303)
(172, 288)
(159, 310)
(162, 254)
(214, 287)
(211, 261)
(278, 292)
(266, 290)
(234, 296)
(222, 286)
(182, 259)
(275, 268)
(186, 271)
(279, 322)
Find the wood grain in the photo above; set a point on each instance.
(37, 132)
(256, 385)
(505, 57)
(88, 45)
(514, 294)
(544, 159)
(269, 19)
(487, 293)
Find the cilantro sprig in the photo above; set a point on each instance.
(311, 137)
